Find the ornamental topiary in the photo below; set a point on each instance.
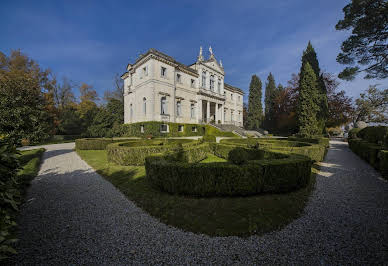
(238, 156)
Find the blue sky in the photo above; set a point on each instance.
(91, 41)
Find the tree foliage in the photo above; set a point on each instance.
(372, 106)
(310, 56)
(307, 102)
(270, 96)
(255, 108)
(367, 44)
(27, 108)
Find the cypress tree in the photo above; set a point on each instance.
(308, 108)
(270, 94)
(255, 108)
(310, 56)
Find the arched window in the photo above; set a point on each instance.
(204, 79)
(144, 106)
(178, 108)
(163, 105)
(130, 112)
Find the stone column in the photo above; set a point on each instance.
(198, 113)
(216, 112)
(222, 114)
(207, 111)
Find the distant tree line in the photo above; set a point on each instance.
(34, 105)
(311, 103)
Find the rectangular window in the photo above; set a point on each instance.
(204, 79)
(178, 108)
(194, 129)
(192, 84)
(231, 96)
(163, 72)
(145, 71)
(178, 78)
(180, 128)
(192, 110)
(212, 83)
(163, 128)
(219, 87)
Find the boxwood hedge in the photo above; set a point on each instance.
(226, 178)
(95, 144)
(315, 152)
(135, 152)
(372, 146)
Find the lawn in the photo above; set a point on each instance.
(218, 216)
(30, 163)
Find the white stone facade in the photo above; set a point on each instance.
(158, 88)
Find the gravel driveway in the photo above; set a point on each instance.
(73, 216)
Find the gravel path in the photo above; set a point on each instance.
(74, 216)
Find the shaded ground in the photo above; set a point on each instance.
(74, 216)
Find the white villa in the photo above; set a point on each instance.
(158, 88)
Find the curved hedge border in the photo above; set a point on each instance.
(228, 179)
(123, 154)
(315, 152)
(95, 144)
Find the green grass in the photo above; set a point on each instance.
(30, 164)
(211, 158)
(212, 131)
(218, 216)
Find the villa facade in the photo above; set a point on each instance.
(158, 88)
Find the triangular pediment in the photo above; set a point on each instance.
(212, 63)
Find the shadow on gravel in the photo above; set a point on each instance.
(50, 154)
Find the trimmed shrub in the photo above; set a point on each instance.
(367, 151)
(64, 137)
(135, 152)
(320, 141)
(353, 133)
(95, 144)
(238, 156)
(378, 135)
(315, 152)
(228, 179)
(383, 157)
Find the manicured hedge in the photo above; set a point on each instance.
(123, 154)
(226, 178)
(320, 141)
(378, 135)
(315, 152)
(64, 137)
(95, 144)
(383, 157)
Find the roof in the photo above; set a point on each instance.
(232, 88)
(168, 58)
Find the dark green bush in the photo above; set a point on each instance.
(209, 138)
(124, 154)
(320, 141)
(238, 156)
(315, 152)
(353, 133)
(383, 157)
(366, 150)
(377, 135)
(95, 144)
(228, 179)
(9, 195)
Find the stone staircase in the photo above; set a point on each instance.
(239, 130)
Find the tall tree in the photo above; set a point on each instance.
(25, 99)
(310, 56)
(245, 115)
(367, 45)
(307, 102)
(269, 101)
(87, 108)
(255, 108)
(117, 92)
